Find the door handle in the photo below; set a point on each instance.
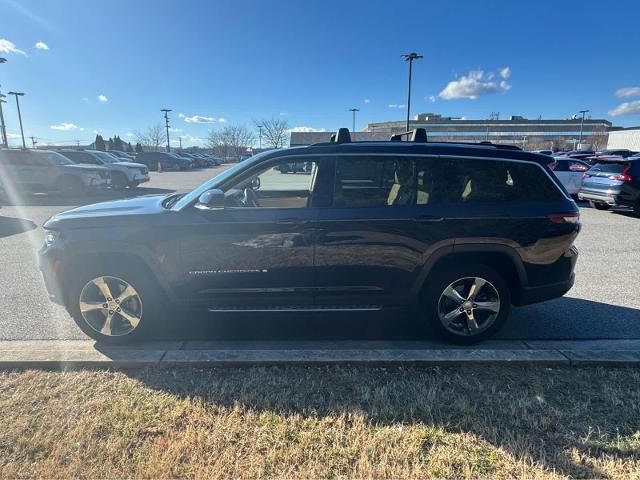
(427, 218)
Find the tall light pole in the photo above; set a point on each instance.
(410, 57)
(19, 94)
(3, 128)
(166, 124)
(581, 126)
(260, 127)
(354, 110)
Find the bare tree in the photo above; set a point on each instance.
(152, 138)
(231, 142)
(598, 138)
(275, 131)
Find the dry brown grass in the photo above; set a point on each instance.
(481, 422)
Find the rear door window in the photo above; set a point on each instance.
(479, 181)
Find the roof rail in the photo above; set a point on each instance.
(341, 136)
(418, 135)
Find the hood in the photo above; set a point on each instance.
(87, 168)
(132, 165)
(107, 213)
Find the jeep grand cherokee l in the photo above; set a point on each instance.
(459, 232)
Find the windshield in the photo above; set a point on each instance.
(106, 157)
(193, 195)
(57, 158)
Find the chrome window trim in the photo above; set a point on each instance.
(400, 154)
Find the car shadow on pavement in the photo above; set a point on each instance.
(12, 226)
(564, 318)
(54, 199)
(568, 318)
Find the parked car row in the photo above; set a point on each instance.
(177, 160)
(612, 181)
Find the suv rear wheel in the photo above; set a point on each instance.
(115, 304)
(467, 304)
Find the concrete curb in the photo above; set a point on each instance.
(70, 354)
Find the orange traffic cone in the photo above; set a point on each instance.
(159, 167)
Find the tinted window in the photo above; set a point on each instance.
(472, 181)
(605, 169)
(362, 181)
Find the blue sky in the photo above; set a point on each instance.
(309, 62)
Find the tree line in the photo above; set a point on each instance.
(230, 141)
(115, 143)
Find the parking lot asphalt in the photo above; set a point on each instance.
(603, 304)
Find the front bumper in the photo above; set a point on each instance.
(141, 178)
(51, 269)
(98, 182)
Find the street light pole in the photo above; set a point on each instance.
(166, 124)
(354, 110)
(581, 126)
(19, 94)
(3, 128)
(410, 57)
(260, 127)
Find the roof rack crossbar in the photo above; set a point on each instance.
(418, 135)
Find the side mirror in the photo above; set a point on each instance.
(211, 200)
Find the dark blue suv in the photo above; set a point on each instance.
(458, 232)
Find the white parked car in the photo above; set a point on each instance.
(569, 171)
(123, 174)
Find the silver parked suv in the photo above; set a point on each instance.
(123, 173)
(45, 170)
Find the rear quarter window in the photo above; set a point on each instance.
(480, 181)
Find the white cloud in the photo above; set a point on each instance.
(175, 129)
(626, 108)
(64, 126)
(366, 100)
(397, 105)
(199, 119)
(82, 129)
(431, 98)
(9, 47)
(222, 120)
(628, 92)
(13, 135)
(42, 46)
(504, 73)
(284, 114)
(102, 98)
(181, 115)
(474, 85)
(307, 129)
(129, 134)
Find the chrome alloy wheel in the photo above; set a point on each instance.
(468, 306)
(110, 306)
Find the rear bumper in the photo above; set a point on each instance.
(546, 292)
(563, 274)
(608, 198)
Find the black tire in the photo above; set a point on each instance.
(440, 280)
(133, 184)
(599, 205)
(155, 311)
(119, 181)
(71, 186)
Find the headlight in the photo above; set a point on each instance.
(51, 237)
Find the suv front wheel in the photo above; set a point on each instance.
(115, 305)
(467, 304)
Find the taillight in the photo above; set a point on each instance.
(623, 176)
(586, 175)
(570, 217)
